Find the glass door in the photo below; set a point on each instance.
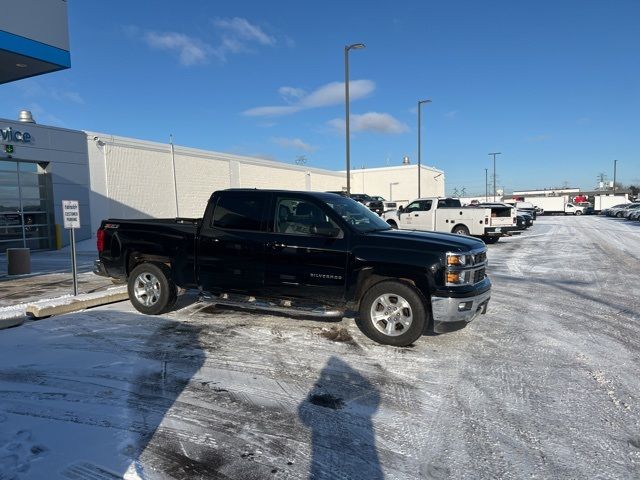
(25, 206)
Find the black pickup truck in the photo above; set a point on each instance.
(313, 253)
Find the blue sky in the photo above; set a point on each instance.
(553, 85)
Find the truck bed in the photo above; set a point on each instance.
(170, 239)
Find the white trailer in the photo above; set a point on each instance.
(551, 205)
(600, 202)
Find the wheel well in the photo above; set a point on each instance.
(134, 259)
(393, 223)
(460, 225)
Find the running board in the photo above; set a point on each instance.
(282, 306)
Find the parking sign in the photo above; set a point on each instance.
(71, 213)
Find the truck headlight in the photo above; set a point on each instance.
(456, 260)
(463, 277)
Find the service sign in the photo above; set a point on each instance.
(71, 213)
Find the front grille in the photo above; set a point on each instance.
(478, 275)
(479, 258)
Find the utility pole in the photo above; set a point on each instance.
(615, 164)
(486, 185)
(494, 173)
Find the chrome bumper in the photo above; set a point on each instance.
(449, 309)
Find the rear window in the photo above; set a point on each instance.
(240, 210)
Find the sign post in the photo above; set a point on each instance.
(71, 217)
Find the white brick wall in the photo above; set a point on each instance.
(134, 179)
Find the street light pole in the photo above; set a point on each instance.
(420, 102)
(615, 164)
(494, 173)
(347, 48)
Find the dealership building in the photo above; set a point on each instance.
(118, 177)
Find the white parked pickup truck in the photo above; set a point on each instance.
(448, 215)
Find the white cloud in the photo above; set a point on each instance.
(539, 138)
(452, 114)
(324, 96)
(371, 122)
(294, 143)
(239, 28)
(291, 94)
(33, 89)
(236, 35)
(274, 111)
(191, 51)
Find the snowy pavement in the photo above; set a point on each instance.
(543, 386)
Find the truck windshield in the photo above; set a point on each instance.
(357, 215)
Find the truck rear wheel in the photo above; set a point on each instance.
(460, 230)
(151, 289)
(392, 313)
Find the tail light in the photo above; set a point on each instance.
(100, 240)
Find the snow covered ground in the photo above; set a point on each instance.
(543, 386)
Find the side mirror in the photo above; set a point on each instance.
(325, 230)
(400, 209)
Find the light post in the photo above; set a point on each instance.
(615, 164)
(420, 102)
(391, 184)
(494, 173)
(347, 48)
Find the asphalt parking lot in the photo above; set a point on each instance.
(543, 386)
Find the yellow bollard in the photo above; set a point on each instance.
(58, 236)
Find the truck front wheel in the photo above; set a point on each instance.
(392, 224)
(392, 313)
(151, 289)
(460, 230)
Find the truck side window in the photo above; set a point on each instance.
(412, 207)
(449, 203)
(239, 210)
(297, 217)
(425, 205)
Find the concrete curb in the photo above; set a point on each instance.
(14, 321)
(58, 306)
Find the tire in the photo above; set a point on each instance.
(151, 289)
(398, 302)
(619, 215)
(460, 230)
(393, 224)
(490, 240)
(578, 212)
